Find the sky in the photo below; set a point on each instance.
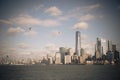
(34, 28)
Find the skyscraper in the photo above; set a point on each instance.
(82, 51)
(78, 44)
(70, 51)
(109, 45)
(63, 51)
(57, 58)
(99, 47)
(67, 59)
(113, 47)
(102, 51)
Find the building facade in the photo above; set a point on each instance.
(109, 45)
(78, 44)
(57, 58)
(67, 59)
(98, 48)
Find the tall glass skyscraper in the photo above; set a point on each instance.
(78, 44)
(109, 45)
(99, 47)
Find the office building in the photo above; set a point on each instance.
(109, 56)
(57, 58)
(116, 56)
(67, 59)
(78, 44)
(82, 51)
(109, 45)
(75, 59)
(113, 47)
(97, 56)
(98, 48)
(70, 52)
(50, 60)
(63, 51)
(102, 51)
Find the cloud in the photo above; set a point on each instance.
(52, 47)
(5, 21)
(84, 37)
(80, 10)
(23, 46)
(49, 23)
(94, 6)
(31, 33)
(54, 11)
(13, 49)
(49, 48)
(38, 7)
(23, 20)
(87, 17)
(81, 25)
(28, 20)
(56, 33)
(12, 30)
(63, 18)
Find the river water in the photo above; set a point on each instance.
(60, 72)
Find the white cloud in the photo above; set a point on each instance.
(87, 17)
(63, 18)
(84, 36)
(54, 11)
(12, 49)
(12, 30)
(25, 53)
(23, 46)
(38, 7)
(52, 47)
(56, 33)
(94, 6)
(81, 25)
(28, 20)
(23, 20)
(5, 21)
(49, 23)
(31, 33)
(77, 12)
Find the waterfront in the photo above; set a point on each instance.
(60, 72)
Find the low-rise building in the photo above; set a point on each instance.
(67, 59)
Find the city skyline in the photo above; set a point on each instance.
(37, 28)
